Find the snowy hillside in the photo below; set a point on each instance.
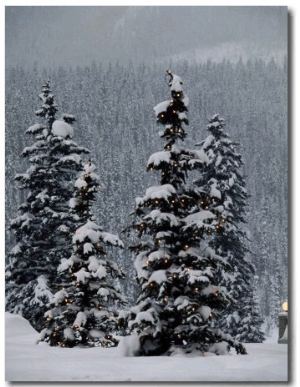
(27, 361)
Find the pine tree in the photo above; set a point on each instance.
(175, 270)
(223, 185)
(44, 225)
(84, 310)
(250, 327)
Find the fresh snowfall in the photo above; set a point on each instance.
(146, 235)
(25, 360)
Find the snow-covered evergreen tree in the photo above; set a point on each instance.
(176, 272)
(223, 185)
(249, 328)
(84, 310)
(44, 225)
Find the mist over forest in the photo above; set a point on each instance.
(51, 36)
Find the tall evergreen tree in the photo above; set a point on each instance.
(175, 272)
(223, 185)
(83, 311)
(44, 224)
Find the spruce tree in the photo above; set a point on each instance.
(176, 271)
(44, 224)
(223, 185)
(250, 327)
(84, 310)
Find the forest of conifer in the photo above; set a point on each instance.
(113, 106)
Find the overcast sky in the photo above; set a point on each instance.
(77, 35)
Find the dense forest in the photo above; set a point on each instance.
(113, 106)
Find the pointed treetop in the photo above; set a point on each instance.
(216, 125)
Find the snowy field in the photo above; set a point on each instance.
(27, 361)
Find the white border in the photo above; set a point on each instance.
(293, 7)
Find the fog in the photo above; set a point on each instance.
(77, 35)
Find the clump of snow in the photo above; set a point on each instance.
(160, 217)
(176, 83)
(214, 192)
(157, 192)
(90, 168)
(94, 263)
(159, 157)
(80, 182)
(211, 289)
(103, 293)
(88, 248)
(73, 203)
(205, 312)
(232, 179)
(16, 249)
(128, 346)
(80, 319)
(95, 234)
(69, 334)
(101, 272)
(158, 254)
(199, 218)
(65, 264)
(158, 276)
(181, 302)
(111, 239)
(221, 348)
(59, 296)
(182, 116)
(195, 276)
(201, 155)
(42, 291)
(144, 316)
(62, 129)
(161, 107)
(82, 275)
(185, 100)
(63, 228)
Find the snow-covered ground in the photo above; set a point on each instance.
(27, 361)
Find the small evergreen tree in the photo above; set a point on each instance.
(223, 185)
(176, 272)
(44, 224)
(250, 328)
(84, 309)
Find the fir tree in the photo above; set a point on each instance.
(44, 224)
(250, 327)
(84, 309)
(176, 272)
(223, 185)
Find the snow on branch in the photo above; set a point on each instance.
(198, 219)
(159, 157)
(161, 107)
(62, 129)
(157, 192)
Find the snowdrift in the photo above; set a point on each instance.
(27, 361)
